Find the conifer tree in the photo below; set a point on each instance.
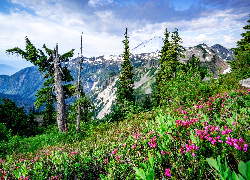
(170, 52)
(241, 66)
(125, 89)
(193, 64)
(55, 74)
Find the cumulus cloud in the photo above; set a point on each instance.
(229, 39)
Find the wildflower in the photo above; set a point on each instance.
(167, 172)
(163, 152)
(241, 140)
(106, 161)
(134, 146)
(115, 151)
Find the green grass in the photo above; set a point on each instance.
(117, 150)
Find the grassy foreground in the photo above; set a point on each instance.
(164, 143)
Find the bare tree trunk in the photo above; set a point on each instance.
(78, 119)
(61, 108)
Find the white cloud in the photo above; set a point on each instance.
(229, 38)
(103, 26)
(95, 3)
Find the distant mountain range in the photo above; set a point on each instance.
(100, 74)
(7, 70)
(155, 45)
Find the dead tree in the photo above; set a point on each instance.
(61, 107)
(78, 119)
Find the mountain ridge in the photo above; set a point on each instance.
(100, 75)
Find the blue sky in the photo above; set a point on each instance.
(103, 23)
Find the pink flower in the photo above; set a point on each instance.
(241, 140)
(134, 146)
(163, 152)
(115, 151)
(167, 173)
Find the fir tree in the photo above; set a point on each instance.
(125, 89)
(170, 52)
(125, 96)
(54, 72)
(241, 66)
(193, 64)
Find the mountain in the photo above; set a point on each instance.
(155, 44)
(100, 74)
(224, 53)
(20, 101)
(7, 70)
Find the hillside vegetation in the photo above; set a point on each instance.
(178, 139)
(188, 129)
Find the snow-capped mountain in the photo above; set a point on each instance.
(224, 53)
(153, 45)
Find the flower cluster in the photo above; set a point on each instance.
(118, 157)
(238, 144)
(189, 148)
(136, 136)
(186, 123)
(227, 130)
(106, 161)
(55, 177)
(152, 143)
(164, 153)
(167, 172)
(24, 178)
(115, 151)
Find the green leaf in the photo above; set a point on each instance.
(242, 167)
(218, 162)
(159, 157)
(140, 173)
(248, 169)
(150, 177)
(144, 166)
(192, 137)
(150, 160)
(227, 173)
(212, 162)
(240, 177)
(234, 176)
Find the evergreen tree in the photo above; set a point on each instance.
(125, 89)
(193, 64)
(170, 52)
(125, 96)
(241, 66)
(54, 72)
(16, 119)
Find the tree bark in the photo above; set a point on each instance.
(61, 108)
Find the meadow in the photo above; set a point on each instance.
(202, 132)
